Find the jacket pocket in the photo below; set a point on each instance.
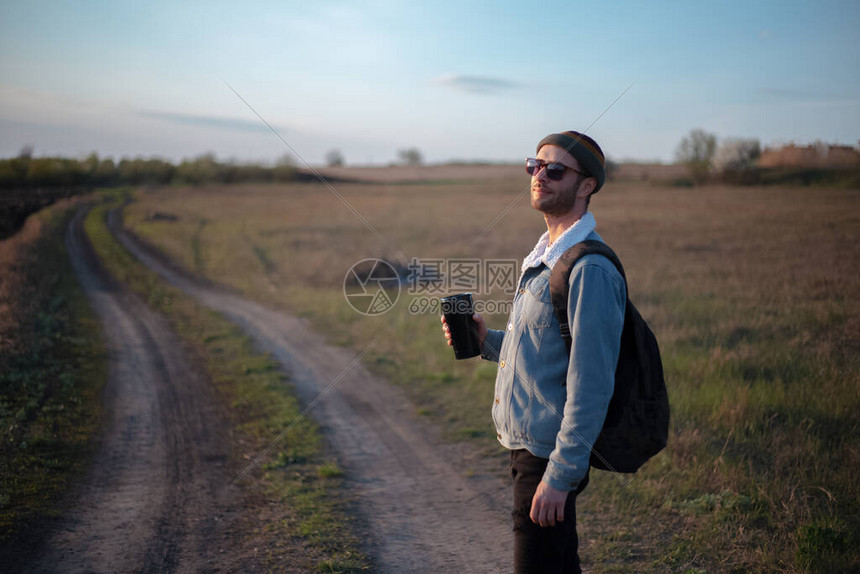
(538, 306)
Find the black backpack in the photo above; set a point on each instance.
(637, 421)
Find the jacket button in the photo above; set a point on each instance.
(511, 326)
(497, 400)
(502, 364)
(522, 290)
(498, 435)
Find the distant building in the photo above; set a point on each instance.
(816, 155)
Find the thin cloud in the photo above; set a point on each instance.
(234, 124)
(475, 84)
(788, 94)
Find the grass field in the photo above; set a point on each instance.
(751, 292)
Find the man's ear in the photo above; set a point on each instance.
(586, 188)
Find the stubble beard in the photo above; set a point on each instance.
(560, 202)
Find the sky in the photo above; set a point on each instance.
(456, 80)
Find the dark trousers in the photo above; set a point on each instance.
(541, 550)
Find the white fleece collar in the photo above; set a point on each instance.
(549, 254)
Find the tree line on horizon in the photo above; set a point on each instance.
(733, 161)
(28, 172)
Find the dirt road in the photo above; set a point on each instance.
(154, 500)
(420, 511)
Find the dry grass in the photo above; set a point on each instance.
(751, 291)
(400, 173)
(654, 172)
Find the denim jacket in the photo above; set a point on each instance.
(546, 401)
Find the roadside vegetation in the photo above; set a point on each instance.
(750, 291)
(296, 516)
(52, 369)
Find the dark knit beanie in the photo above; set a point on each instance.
(584, 149)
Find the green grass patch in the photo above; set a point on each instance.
(296, 475)
(51, 378)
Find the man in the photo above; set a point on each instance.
(549, 404)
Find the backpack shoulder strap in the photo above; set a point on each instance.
(559, 280)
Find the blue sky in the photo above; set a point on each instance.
(458, 80)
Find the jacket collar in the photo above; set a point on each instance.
(549, 254)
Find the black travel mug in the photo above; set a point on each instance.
(458, 311)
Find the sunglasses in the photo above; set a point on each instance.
(554, 170)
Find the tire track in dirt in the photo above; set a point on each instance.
(419, 511)
(154, 499)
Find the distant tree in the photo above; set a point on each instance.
(696, 151)
(411, 156)
(20, 166)
(105, 173)
(55, 171)
(235, 172)
(285, 168)
(736, 158)
(9, 176)
(334, 158)
(737, 154)
(202, 169)
(153, 171)
(89, 164)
